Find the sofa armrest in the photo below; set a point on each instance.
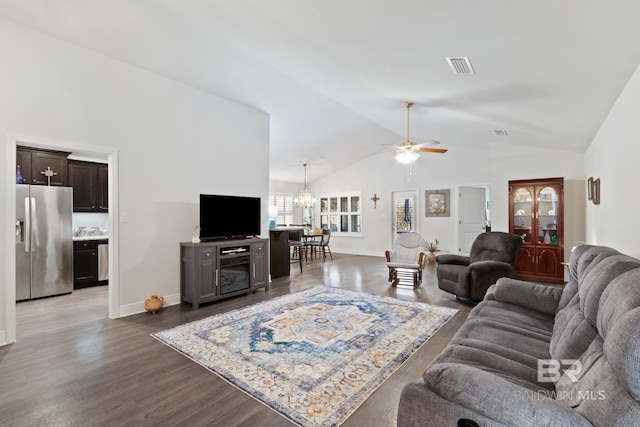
(453, 259)
(498, 399)
(542, 298)
(482, 267)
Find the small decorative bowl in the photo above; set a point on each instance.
(154, 303)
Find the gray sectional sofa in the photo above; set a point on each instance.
(537, 355)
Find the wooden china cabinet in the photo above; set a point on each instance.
(536, 213)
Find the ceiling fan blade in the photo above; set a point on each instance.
(430, 143)
(432, 150)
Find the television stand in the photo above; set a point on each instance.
(210, 271)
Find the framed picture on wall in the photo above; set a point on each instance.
(590, 188)
(437, 203)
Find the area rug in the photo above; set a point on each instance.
(313, 356)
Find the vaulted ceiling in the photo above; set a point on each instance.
(333, 75)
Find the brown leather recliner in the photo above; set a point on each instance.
(492, 256)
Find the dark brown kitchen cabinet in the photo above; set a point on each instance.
(42, 167)
(90, 186)
(103, 188)
(536, 213)
(85, 264)
(23, 161)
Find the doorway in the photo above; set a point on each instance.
(473, 215)
(10, 272)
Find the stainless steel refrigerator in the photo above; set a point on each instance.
(44, 241)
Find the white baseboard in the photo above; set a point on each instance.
(138, 307)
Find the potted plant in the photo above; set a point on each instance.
(432, 248)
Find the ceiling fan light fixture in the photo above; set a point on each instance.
(407, 156)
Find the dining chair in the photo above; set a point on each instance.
(324, 243)
(296, 246)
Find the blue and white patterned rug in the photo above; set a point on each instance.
(313, 356)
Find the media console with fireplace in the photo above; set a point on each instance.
(219, 269)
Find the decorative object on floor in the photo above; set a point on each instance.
(375, 199)
(313, 356)
(153, 304)
(432, 248)
(438, 203)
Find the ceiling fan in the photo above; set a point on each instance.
(408, 151)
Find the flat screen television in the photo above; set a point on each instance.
(229, 217)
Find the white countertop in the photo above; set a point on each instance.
(80, 238)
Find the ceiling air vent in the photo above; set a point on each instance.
(460, 65)
(500, 132)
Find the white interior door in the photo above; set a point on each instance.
(404, 215)
(472, 216)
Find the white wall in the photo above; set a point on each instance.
(172, 143)
(380, 174)
(613, 157)
(461, 166)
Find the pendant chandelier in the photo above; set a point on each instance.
(305, 200)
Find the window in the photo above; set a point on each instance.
(405, 216)
(284, 203)
(341, 213)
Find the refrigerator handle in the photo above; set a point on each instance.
(32, 224)
(19, 230)
(27, 222)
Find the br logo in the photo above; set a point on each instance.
(550, 370)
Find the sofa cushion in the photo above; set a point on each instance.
(504, 316)
(536, 296)
(598, 278)
(452, 391)
(619, 325)
(502, 340)
(592, 269)
(609, 366)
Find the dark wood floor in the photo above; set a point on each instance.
(74, 366)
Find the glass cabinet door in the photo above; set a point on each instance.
(522, 213)
(536, 213)
(547, 216)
